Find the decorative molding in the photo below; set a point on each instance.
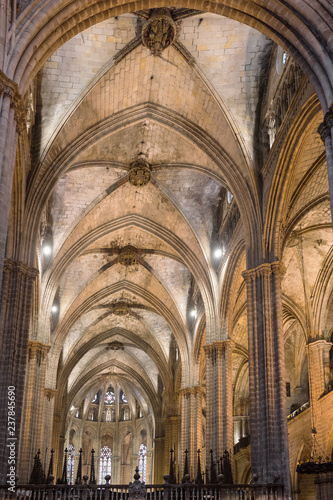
(36, 347)
(265, 269)
(9, 89)
(159, 32)
(325, 127)
(11, 266)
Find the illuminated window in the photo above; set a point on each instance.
(285, 57)
(70, 464)
(95, 399)
(142, 462)
(229, 196)
(105, 464)
(123, 398)
(109, 398)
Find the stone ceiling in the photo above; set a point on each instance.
(103, 101)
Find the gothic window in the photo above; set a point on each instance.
(229, 197)
(285, 57)
(95, 400)
(70, 464)
(143, 462)
(109, 397)
(123, 398)
(105, 464)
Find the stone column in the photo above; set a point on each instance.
(319, 375)
(172, 428)
(16, 306)
(159, 460)
(219, 400)
(268, 423)
(325, 130)
(47, 430)
(191, 428)
(12, 121)
(33, 409)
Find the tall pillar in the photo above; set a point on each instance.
(219, 401)
(268, 423)
(12, 121)
(191, 427)
(32, 424)
(319, 375)
(159, 460)
(325, 130)
(172, 430)
(16, 301)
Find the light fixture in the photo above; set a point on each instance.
(218, 253)
(47, 250)
(54, 308)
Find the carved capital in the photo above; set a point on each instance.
(9, 89)
(325, 127)
(14, 267)
(219, 347)
(265, 269)
(50, 393)
(37, 349)
(187, 391)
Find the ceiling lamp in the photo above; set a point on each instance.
(128, 256)
(120, 309)
(159, 32)
(140, 173)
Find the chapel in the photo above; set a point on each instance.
(166, 244)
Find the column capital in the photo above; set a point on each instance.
(50, 393)
(325, 126)
(21, 268)
(265, 269)
(218, 346)
(35, 347)
(187, 391)
(9, 88)
(319, 344)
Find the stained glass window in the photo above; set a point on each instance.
(70, 464)
(123, 398)
(104, 464)
(143, 462)
(109, 398)
(285, 57)
(95, 399)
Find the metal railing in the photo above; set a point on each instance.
(153, 492)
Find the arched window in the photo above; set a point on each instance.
(104, 464)
(143, 462)
(70, 464)
(123, 398)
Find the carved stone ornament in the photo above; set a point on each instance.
(140, 173)
(120, 309)
(159, 32)
(128, 256)
(116, 346)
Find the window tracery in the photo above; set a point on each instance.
(143, 462)
(105, 463)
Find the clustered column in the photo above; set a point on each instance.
(191, 411)
(268, 423)
(33, 421)
(219, 419)
(319, 376)
(17, 299)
